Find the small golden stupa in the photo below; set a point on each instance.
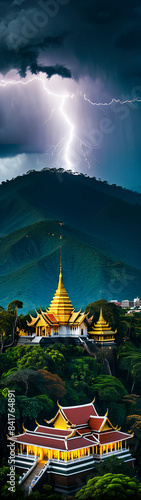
(101, 332)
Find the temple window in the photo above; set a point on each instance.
(81, 331)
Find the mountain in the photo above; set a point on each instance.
(137, 189)
(101, 239)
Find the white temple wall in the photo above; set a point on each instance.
(66, 331)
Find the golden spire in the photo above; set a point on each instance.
(61, 305)
(101, 323)
(60, 255)
(60, 275)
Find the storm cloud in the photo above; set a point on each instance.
(78, 48)
(80, 38)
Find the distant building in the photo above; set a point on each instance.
(125, 303)
(131, 303)
(137, 302)
(115, 302)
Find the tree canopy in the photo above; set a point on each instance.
(110, 486)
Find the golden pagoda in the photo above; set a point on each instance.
(61, 306)
(102, 332)
(60, 318)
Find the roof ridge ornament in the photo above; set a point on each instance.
(59, 405)
(72, 434)
(38, 425)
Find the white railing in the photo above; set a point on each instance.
(37, 477)
(26, 474)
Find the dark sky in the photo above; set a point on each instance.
(70, 50)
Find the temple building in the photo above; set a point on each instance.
(63, 451)
(60, 319)
(102, 333)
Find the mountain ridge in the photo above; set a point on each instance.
(101, 240)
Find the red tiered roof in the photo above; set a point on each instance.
(52, 318)
(96, 423)
(77, 443)
(41, 441)
(79, 415)
(52, 431)
(113, 437)
(54, 442)
(84, 430)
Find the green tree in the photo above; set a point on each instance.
(109, 392)
(114, 464)
(110, 486)
(31, 380)
(22, 322)
(5, 493)
(130, 361)
(13, 308)
(5, 328)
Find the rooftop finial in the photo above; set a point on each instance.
(60, 255)
(101, 315)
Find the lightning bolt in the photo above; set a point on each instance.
(84, 145)
(63, 98)
(68, 162)
(98, 104)
(50, 116)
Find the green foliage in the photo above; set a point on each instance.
(115, 465)
(27, 408)
(27, 380)
(109, 392)
(46, 494)
(110, 486)
(14, 305)
(47, 403)
(129, 358)
(6, 321)
(5, 494)
(22, 321)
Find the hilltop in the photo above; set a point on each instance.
(101, 239)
